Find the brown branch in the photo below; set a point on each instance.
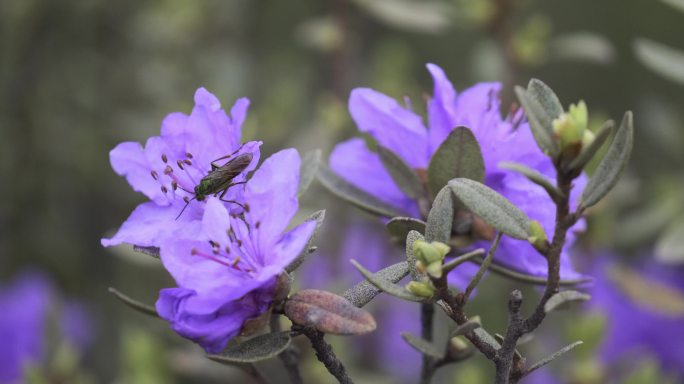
(326, 355)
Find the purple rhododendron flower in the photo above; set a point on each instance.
(226, 274)
(403, 132)
(644, 320)
(26, 304)
(169, 167)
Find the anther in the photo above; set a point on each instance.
(257, 225)
(188, 162)
(239, 243)
(168, 170)
(237, 260)
(180, 164)
(193, 251)
(186, 199)
(227, 249)
(164, 158)
(246, 207)
(174, 185)
(154, 174)
(188, 155)
(164, 189)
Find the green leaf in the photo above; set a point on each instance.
(458, 156)
(317, 216)
(512, 274)
(363, 292)
(540, 122)
(423, 346)
(404, 176)
(670, 246)
(589, 152)
(256, 349)
(564, 299)
(661, 59)
(328, 313)
(545, 97)
(483, 268)
(138, 306)
(431, 17)
(676, 4)
(387, 286)
(493, 208)
(150, 251)
(452, 264)
(350, 193)
(441, 217)
(535, 177)
(553, 357)
(465, 328)
(400, 226)
(307, 171)
(410, 257)
(613, 163)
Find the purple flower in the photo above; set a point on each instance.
(644, 309)
(226, 274)
(403, 132)
(169, 167)
(26, 304)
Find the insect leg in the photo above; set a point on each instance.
(214, 166)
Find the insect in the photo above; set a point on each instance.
(220, 179)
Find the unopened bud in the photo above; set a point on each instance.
(428, 253)
(458, 344)
(538, 237)
(435, 269)
(420, 289)
(570, 127)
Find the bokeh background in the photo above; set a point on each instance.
(78, 77)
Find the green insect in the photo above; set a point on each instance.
(220, 179)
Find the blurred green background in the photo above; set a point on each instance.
(78, 77)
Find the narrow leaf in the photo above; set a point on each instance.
(458, 156)
(423, 346)
(563, 300)
(487, 338)
(350, 193)
(452, 264)
(540, 122)
(589, 152)
(387, 286)
(317, 216)
(465, 328)
(670, 247)
(363, 292)
(512, 274)
(406, 178)
(150, 251)
(138, 306)
(410, 257)
(441, 217)
(307, 171)
(483, 268)
(400, 226)
(535, 177)
(256, 349)
(545, 97)
(493, 208)
(613, 163)
(551, 358)
(328, 313)
(661, 59)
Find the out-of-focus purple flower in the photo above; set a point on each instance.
(402, 131)
(26, 304)
(644, 309)
(169, 167)
(226, 274)
(76, 324)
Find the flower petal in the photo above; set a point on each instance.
(151, 224)
(271, 194)
(393, 126)
(354, 162)
(441, 107)
(287, 249)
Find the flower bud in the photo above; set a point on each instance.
(428, 253)
(435, 269)
(538, 237)
(420, 289)
(571, 126)
(458, 345)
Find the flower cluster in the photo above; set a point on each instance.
(402, 131)
(226, 251)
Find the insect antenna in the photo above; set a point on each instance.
(183, 210)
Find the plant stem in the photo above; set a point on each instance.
(427, 314)
(326, 355)
(289, 356)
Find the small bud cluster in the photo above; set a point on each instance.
(429, 262)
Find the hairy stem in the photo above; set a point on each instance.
(326, 355)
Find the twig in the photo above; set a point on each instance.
(289, 356)
(326, 355)
(251, 370)
(427, 314)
